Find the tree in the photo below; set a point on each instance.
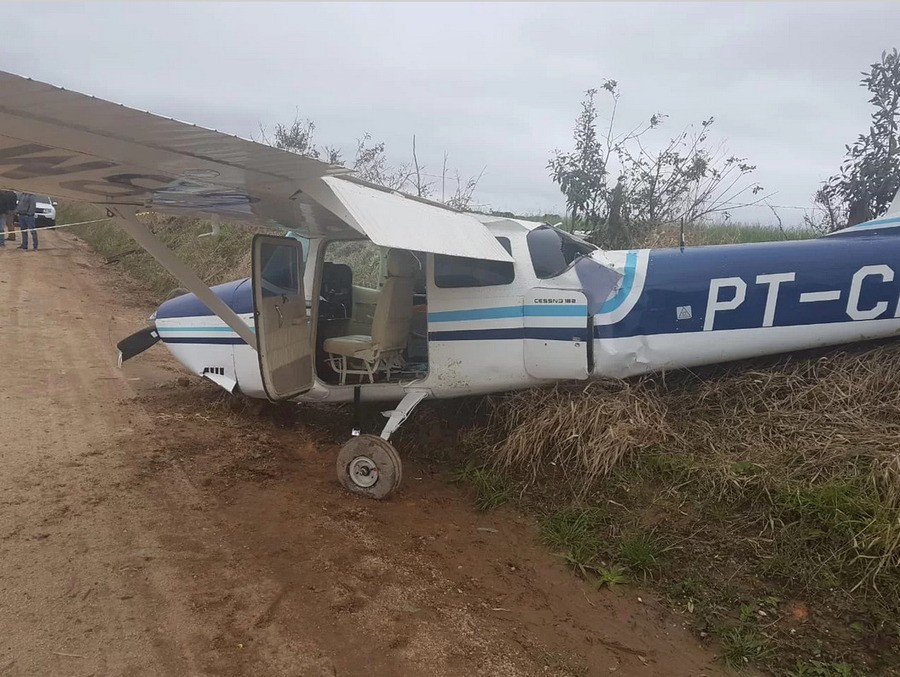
(581, 174)
(620, 190)
(869, 176)
(370, 163)
(298, 138)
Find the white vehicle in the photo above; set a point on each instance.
(463, 304)
(44, 211)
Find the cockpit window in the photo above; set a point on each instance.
(552, 250)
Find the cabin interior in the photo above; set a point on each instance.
(372, 314)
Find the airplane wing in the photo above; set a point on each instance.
(78, 147)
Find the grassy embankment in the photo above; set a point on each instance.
(215, 259)
(762, 502)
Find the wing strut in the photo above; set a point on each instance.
(187, 277)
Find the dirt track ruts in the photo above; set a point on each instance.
(146, 529)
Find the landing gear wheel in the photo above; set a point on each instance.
(370, 466)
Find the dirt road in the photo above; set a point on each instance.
(149, 528)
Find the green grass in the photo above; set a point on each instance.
(641, 553)
(698, 234)
(610, 578)
(751, 536)
(571, 532)
(820, 669)
(491, 490)
(741, 646)
(737, 233)
(833, 505)
(821, 520)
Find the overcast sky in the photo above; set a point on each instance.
(495, 85)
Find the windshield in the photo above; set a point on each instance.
(552, 250)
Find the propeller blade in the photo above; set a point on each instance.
(137, 343)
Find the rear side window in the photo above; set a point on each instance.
(451, 272)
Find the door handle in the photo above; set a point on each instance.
(280, 317)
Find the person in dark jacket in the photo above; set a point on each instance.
(8, 201)
(25, 210)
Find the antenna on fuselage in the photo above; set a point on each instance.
(681, 235)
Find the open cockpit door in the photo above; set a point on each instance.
(283, 340)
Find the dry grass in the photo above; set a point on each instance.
(579, 433)
(814, 441)
(811, 417)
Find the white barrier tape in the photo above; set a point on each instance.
(59, 225)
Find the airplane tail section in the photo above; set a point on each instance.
(894, 209)
(887, 224)
(883, 226)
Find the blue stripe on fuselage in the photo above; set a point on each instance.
(678, 278)
(627, 284)
(164, 329)
(506, 312)
(205, 340)
(540, 333)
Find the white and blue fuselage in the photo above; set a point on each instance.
(668, 309)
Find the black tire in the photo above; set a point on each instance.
(369, 466)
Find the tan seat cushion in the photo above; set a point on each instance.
(347, 345)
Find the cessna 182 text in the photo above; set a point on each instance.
(374, 295)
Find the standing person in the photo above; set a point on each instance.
(8, 201)
(4, 208)
(25, 210)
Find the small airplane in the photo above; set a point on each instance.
(373, 295)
